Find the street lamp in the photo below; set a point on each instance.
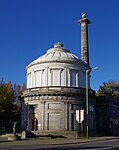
(26, 116)
(87, 97)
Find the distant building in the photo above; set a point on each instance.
(55, 96)
(107, 115)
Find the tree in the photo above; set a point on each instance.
(110, 88)
(17, 104)
(17, 92)
(6, 97)
(23, 87)
(10, 106)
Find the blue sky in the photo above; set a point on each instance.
(29, 27)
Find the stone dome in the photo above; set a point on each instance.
(58, 67)
(57, 54)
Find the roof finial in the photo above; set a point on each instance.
(58, 44)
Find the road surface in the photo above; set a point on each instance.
(110, 144)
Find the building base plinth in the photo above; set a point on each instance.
(57, 134)
(13, 137)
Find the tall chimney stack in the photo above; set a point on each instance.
(84, 38)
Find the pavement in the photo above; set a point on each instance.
(45, 141)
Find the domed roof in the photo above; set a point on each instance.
(57, 54)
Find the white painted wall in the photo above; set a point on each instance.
(56, 74)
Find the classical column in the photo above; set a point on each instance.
(33, 79)
(43, 115)
(68, 75)
(39, 117)
(46, 76)
(84, 38)
(70, 116)
(27, 119)
(66, 116)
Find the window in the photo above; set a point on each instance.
(73, 78)
(55, 76)
(38, 78)
(29, 80)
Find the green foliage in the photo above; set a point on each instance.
(6, 97)
(17, 92)
(110, 88)
(9, 102)
(10, 105)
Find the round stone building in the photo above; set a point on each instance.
(55, 96)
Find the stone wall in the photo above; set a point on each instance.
(55, 109)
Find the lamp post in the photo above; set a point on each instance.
(27, 116)
(87, 98)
